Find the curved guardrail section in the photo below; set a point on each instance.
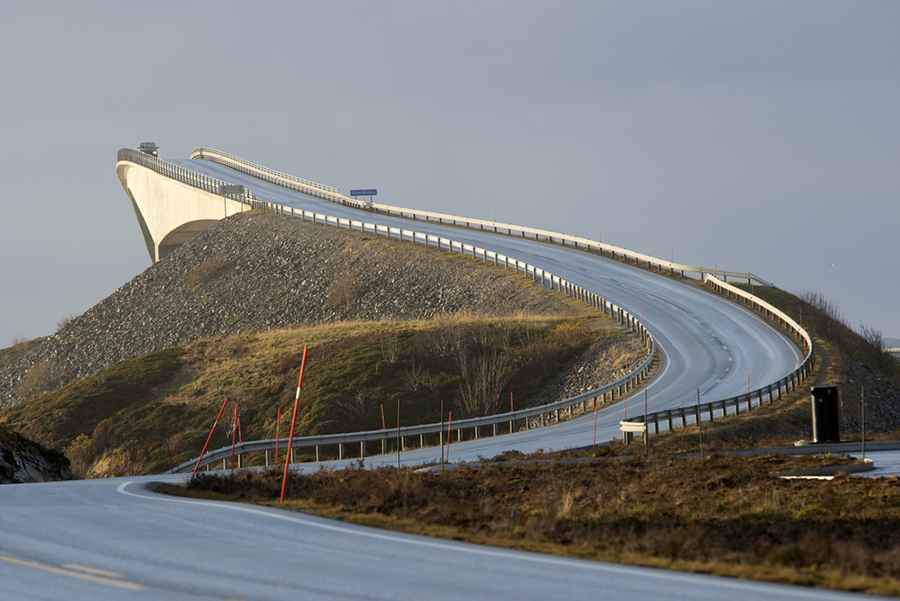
(678, 417)
(331, 194)
(548, 413)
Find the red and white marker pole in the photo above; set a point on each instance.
(209, 437)
(290, 445)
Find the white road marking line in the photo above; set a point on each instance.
(61, 571)
(89, 570)
(468, 548)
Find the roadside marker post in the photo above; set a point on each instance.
(442, 435)
(646, 428)
(383, 427)
(449, 435)
(290, 447)
(209, 436)
(277, 432)
(399, 439)
(240, 458)
(699, 424)
(235, 415)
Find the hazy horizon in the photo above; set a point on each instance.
(751, 136)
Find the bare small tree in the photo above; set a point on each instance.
(416, 376)
(484, 373)
(872, 337)
(390, 349)
(355, 408)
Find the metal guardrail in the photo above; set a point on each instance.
(177, 172)
(542, 414)
(329, 193)
(768, 393)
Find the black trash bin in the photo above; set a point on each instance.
(825, 414)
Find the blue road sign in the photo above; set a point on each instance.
(364, 192)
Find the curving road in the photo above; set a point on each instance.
(111, 539)
(114, 540)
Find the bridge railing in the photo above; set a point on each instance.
(498, 423)
(329, 193)
(180, 173)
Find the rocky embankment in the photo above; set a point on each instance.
(22, 460)
(256, 272)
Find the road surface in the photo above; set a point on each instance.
(108, 539)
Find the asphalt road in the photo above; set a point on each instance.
(113, 540)
(98, 540)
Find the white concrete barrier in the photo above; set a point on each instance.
(330, 193)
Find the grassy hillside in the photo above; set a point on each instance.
(150, 413)
(257, 272)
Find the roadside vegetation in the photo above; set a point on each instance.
(150, 413)
(721, 515)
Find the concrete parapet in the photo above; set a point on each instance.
(169, 212)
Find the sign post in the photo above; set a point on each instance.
(370, 193)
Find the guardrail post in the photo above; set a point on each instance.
(669, 416)
(267, 457)
(656, 423)
(362, 450)
(711, 413)
(683, 418)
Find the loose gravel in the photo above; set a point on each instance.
(258, 271)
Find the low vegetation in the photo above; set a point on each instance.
(721, 515)
(153, 412)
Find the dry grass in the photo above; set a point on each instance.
(163, 403)
(721, 515)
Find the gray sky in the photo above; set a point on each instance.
(759, 136)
